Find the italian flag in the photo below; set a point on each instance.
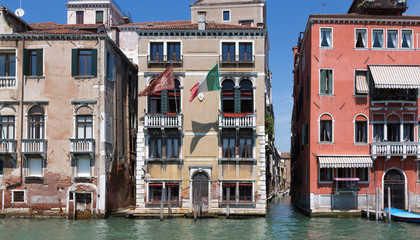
(209, 83)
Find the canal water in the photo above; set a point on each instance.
(282, 222)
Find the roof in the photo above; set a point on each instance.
(396, 76)
(187, 25)
(359, 16)
(54, 28)
(342, 161)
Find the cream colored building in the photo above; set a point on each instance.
(67, 94)
(200, 149)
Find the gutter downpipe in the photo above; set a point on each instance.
(99, 127)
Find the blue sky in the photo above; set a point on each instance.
(286, 18)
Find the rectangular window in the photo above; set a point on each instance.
(1, 165)
(7, 65)
(362, 174)
(360, 83)
(406, 39)
(228, 147)
(174, 191)
(393, 132)
(325, 174)
(36, 127)
(361, 131)
(156, 51)
(392, 38)
(326, 131)
(326, 37)
(245, 52)
(361, 38)
(110, 66)
(172, 147)
(174, 51)
(80, 17)
(84, 62)
(155, 103)
(83, 167)
(245, 147)
(35, 167)
(228, 51)
(377, 38)
(84, 127)
(408, 132)
(155, 192)
(99, 16)
(378, 132)
(245, 192)
(226, 16)
(232, 192)
(246, 22)
(343, 172)
(326, 81)
(155, 147)
(18, 196)
(7, 127)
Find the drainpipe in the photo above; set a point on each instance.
(99, 127)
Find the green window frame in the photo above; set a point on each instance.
(84, 62)
(33, 62)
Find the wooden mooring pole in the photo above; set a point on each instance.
(169, 202)
(376, 204)
(227, 202)
(367, 203)
(389, 203)
(162, 202)
(195, 204)
(409, 200)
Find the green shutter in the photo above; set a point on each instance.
(74, 61)
(164, 101)
(237, 100)
(330, 81)
(25, 62)
(322, 81)
(94, 62)
(39, 62)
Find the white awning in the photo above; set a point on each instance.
(402, 76)
(345, 161)
(361, 83)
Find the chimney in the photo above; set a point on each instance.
(202, 20)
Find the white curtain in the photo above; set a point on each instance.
(377, 39)
(392, 39)
(406, 39)
(325, 37)
(329, 132)
(361, 34)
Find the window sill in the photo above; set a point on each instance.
(253, 160)
(356, 48)
(325, 182)
(84, 77)
(164, 160)
(328, 48)
(34, 179)
(35, 77)
(235, 204)
(82, 179)
(157, 204)
(361, 96)
(326, 143)
(361, 144)
(326, 95)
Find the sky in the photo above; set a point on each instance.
(286, 19)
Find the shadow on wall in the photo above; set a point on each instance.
(200, 130)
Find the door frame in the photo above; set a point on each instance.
(405, 187)
(193, 171)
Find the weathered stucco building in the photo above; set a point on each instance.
(67, 113)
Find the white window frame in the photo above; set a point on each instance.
(325, 182)
(412, 38)
(372, 122)
(319, 82)
(366, 40)
(42, 167)
(237, 42)
(165, 46)
(367, 130)
(77, 167)
(397, 38)
(24, 195)
(17, 73)
(368, 175)
(230, 15)
(383, 38)
(332, 128)
(27, 120)
(320, 37)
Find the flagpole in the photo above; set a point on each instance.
(176, 103)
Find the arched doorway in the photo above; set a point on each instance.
(201, 190)
(395, 180)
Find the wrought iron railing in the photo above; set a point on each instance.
(164, 58)
(237, 58)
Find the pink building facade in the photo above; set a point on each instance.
(355, 119)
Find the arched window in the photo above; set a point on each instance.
(393, 128)
(84, 123)
(228, 103)
(326, 128)
(166, 101)
(7, 123)
(360, 129)
(174, 98)
(247, 104)
(36, 123)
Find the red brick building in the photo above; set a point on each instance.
(355, 119)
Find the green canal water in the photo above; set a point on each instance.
(282, 222)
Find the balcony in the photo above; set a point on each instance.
(34, 146)
(390, 149)
(82, 146)
(164, 60)
(156, 120)
(7, 82)
(235, 120)
(237, 60)
(7, 146)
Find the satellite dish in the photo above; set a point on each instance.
(19, 12)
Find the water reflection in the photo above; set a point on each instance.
(282, 222)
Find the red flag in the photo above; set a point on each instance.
(165, 81)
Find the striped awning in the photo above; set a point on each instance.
(345, 161)
(361, 83)
(402, 76)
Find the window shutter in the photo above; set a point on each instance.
(94, 62)
(164, 101)
(74, 60)
(25, 62)
(39, 62)
(323, 81)
(237, 100)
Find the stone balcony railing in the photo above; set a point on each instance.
(34, 146)
(7, 146)
(390, 149)
(7, 82)
(232, 121)
(152, 120)
(85, 145)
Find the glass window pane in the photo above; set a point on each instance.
(232, 147)
(159, 148)
(80, 131)
(176, 147)
(168, 148)
(35, 166)
(83, 167)
(82, 65)
(89, 130)
(89, 65)
(3, 65)
(12, 65)
(377, 38)
(242, 147)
